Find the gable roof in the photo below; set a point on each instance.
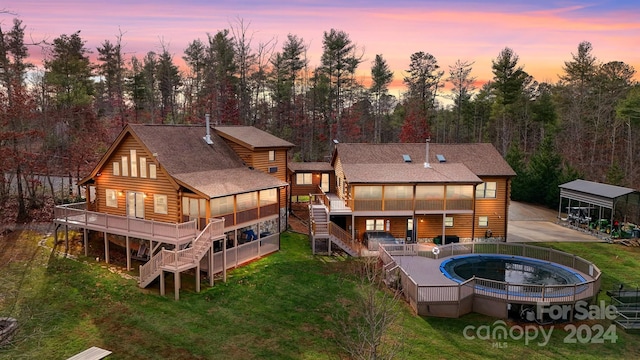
(213, 170)
(251, 137)
(388, 162)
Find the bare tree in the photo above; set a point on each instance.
(363, 327)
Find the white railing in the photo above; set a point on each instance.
(246, 252)
(417, 294)
(147, 229)
(184, 258)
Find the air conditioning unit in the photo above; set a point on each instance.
(273, 169)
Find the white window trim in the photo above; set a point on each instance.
(111, 198)
(448, 221)
(160, 205)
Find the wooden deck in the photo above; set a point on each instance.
(169, 233)
(337, 205)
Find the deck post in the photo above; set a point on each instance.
(198, 277)
(128, 253)
(66, 239)
(86, 242)
(235, 245)
(177, 285)
(106, 248)
(162, 285)
(211, 264)
(224, 260)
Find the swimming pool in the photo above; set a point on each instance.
(522, 274)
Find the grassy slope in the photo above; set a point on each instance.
(280, 307)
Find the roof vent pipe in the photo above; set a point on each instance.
(207, 138)
(426, 158)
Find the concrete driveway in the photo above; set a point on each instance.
(531, 223)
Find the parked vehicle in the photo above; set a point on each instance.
(372, 238)
(579, 215)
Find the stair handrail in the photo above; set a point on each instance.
(151, 267)
(213, 230)
(344, 236)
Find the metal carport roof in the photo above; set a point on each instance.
(603, 196)
(593, 193)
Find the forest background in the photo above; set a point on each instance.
(58, 118)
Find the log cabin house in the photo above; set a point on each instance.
(439, 193)
(183, 197)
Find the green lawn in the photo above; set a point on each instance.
(284, 306)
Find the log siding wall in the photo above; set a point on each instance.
(162, 185)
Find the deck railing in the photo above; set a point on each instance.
(174, 233)
(187, 257)
(454, 293)
(343, 236)
(246, 252)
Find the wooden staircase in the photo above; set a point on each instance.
(181, 260)
(322, 228)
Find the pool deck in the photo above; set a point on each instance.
(426, 272)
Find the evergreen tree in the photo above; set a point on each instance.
(338, 63)
(381, 77)
(508, 84)
(462, 90)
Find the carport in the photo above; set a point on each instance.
(615, 202)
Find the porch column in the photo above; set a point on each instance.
(106, 248)
(128, 253)
(86, 242)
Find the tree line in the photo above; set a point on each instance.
(59, 118)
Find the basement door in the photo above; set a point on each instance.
(135, 204)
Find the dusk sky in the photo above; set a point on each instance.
(543, 33)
